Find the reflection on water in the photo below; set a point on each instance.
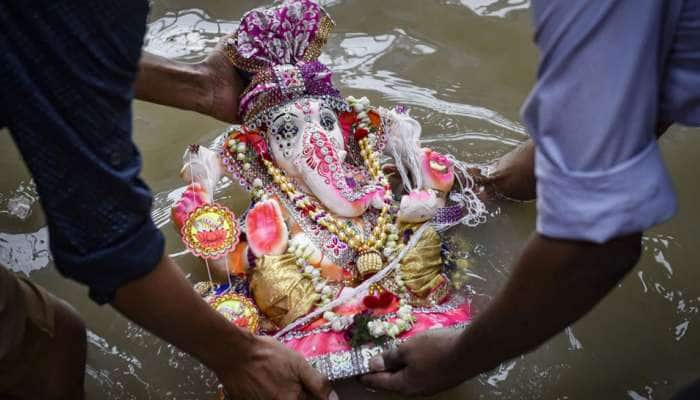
(185, 34)
(354, 61)
(683, 308)
(25, 252)
(495, 8)
(463, 67)
(19, 203)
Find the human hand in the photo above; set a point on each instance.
(269, 370)
(224, 84)
(424, 365)
(484, 185)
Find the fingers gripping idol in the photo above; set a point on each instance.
(332, 259)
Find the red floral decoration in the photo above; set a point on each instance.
(212, 238)
(347, 120)
(378, 300)
(361, 133)
(255, 140)
(374, 119)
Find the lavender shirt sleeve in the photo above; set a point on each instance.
(593, 115)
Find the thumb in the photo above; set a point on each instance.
(316, 384)
(391, 381)
(390, 360)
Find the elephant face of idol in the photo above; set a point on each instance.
(307, 143)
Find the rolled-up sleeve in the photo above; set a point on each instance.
(593, 115)
(67, 76)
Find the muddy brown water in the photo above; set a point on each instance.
(464, 68)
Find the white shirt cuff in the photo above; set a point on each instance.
(598, 206)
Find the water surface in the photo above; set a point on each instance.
(464, 68)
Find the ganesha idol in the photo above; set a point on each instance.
(335, 261)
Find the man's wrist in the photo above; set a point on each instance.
(172, 83)
(204, 86)
(469, 356)
(229, 349)
(222, 85)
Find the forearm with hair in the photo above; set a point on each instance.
(554, 283)
(165, 303)
(172, 83)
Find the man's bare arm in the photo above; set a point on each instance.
(210, 87)
(513, 175)
(250, 367)
(554, 283)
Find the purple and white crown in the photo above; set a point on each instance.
(279, 47)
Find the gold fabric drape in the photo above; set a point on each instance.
(280, 290)
(422, 266)
(283, 294)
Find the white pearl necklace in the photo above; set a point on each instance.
(323, 289)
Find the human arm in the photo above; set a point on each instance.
(249, 366)
(210, 87)
(600, 181)
(512, 175)
(72, 123)
(559, 279)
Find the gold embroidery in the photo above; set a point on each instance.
(325, 27)
(421, 270)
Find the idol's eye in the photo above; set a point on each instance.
(286, 130)
(328, 120)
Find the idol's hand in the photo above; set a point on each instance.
(424, 365)
(269, 370)
(224, 82)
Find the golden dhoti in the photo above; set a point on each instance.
(421, 267)
(280, 290)
(283, 294)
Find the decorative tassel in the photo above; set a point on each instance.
(403, 145)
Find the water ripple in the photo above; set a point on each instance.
(25, 252)
(19, 203)
(493, 8)
(353, 61)
(185, 34)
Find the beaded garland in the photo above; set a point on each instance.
(249, 158)
(325, 291)
(383, 235)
